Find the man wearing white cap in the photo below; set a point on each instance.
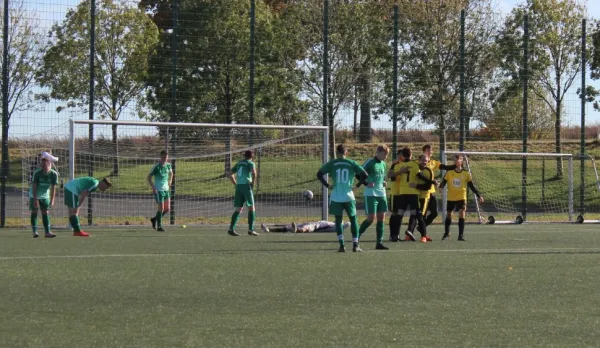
(42, 192)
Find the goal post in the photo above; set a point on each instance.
(287, 159)
(519, 187)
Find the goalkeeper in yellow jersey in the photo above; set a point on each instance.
(458, 180)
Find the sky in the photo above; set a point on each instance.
(45, 118)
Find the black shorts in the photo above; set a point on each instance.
(404, 202)
(458, 205)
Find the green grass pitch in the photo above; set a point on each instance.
(507, 286)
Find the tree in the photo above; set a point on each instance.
(125, 36)
(431, 57)
(25, 51)
(554, 52)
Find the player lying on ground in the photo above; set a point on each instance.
(458, 180)
(75, 192)
(243, 177)
(41, 194)
(342, 172)
(307, 227)
(375, 196)
(163, 178)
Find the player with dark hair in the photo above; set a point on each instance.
(424, 186)
(41, 195)
(342, 172)
(430, 212)
(375, 197)
(243, 176)
(75, 192)
(458, 180)
(162, 173)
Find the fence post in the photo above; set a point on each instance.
(462, 117)
(525, 80)
(395, 88)
(582, 149)
(173, 117)
(251, 78)
(90, 204)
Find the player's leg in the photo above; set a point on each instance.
(72, 203)
(337, 210)
(461, 220)
(396, 218)
(411, 205)
(431, 211)
(419, 218)
(157, 219)
(370, 209)
(238, 207)
(449, 210)
(249, 196)
(44, 208)
(393, 208)
(381, 209)
(33, 215)
(350, 208)
(164, 209)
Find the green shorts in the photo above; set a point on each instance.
(44, 203)
(338, 208)
(161, 196)
(375, 205)
(243, 194)
(71, 200)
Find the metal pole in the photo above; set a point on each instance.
(91, 102)
(582, 135)
(326, 65)
(395, 88)
(251, 80)
(5, 82)
(324, 191)
(462, 117)
(173, 118)
(525, 80)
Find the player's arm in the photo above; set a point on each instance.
(82, 197)
(52, 194)
(444, 181)
(321, 177)
(428, 181)
(475, 191)
(171, 175)
(232, 175)
(254, 175)
(149, 179)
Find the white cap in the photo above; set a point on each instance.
(49, 157)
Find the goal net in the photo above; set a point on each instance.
(286, 158)
(527, 187)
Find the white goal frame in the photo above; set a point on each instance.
(323, 129)
(519, 218)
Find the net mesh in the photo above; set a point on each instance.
(286, 161)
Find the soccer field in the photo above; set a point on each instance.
(507, 286)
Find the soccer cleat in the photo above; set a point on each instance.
(264, 228)
(393, 239)
(356, 249)
(49, 235)
(294, 227)
(35, 235)
(160, 229)
(445, 237)
(252, 233)
(233, 233)
(461, 238)
(428, 239)
(153, 221)
(342, 249)
(423, 239)
(81, 234)
(380, 246)
(408, 236)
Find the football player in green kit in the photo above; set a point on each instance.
(41, 195)
(75, 192)
(243, 176)
(163, 178)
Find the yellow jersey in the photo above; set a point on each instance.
(400, 186)
(433, 165)
(428, 173)
(457, 183)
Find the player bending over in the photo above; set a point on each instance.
(243, 177)
(375, 197)
(342, 171)
(458, 180)
(41, 194)
(163, 178)
(308, 227)
(75, 192)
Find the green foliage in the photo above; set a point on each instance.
(124, 38)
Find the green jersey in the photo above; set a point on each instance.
(243, 172)
(76, 186)
(44, 182)
(161, 173)
(377, 170)
(342, 172)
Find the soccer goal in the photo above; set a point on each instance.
(527, 187)
(287, 159)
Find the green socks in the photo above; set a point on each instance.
(46, 222)
(251, 217)
(363, 227)
(74, 220)
(158, 218)
(339, 229)
(379, 230)
(33, 219)
(234, 219)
